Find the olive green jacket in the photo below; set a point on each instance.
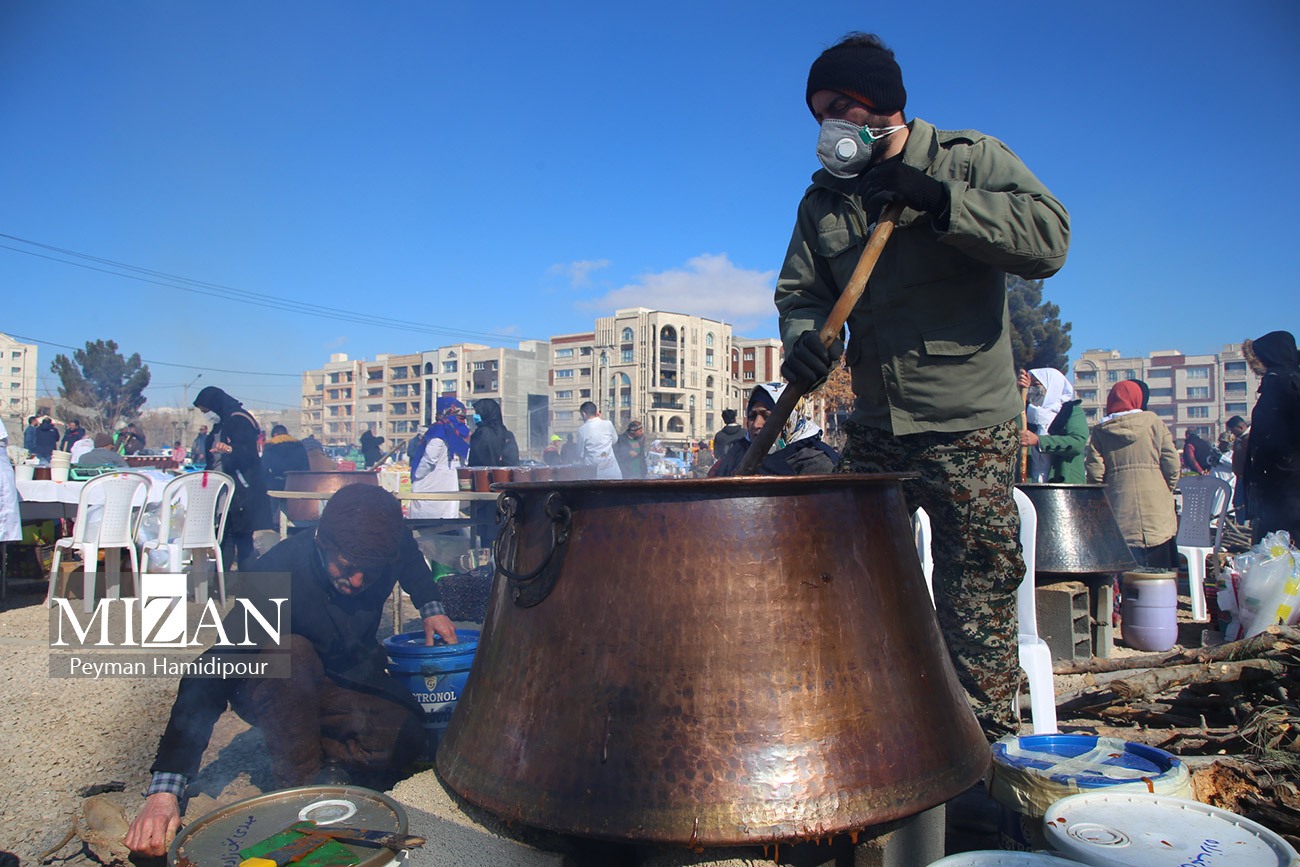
(930, 346)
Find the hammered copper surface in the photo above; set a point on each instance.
(720, 662)
(1077, 530)
(320, 482)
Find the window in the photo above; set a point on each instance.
(449, 367)
(565, 394)
(749, 355)
(1234, 408)
(1090, 414)
(399, 373)
(480, 365)
(1162, 392)
(374, 408)
(1086, 394)
(1198, 392)
(1157, 372)
(708, 339)
(749, 375)
(627, 335)
(449, 386)
(584, 393)
(1112, 376)
(626, 356)
(584, 352)
(564, 415)
(1198, 412)
(586, 371)
(1130, 373)
(1198, 373)
(564, 353)
(399, 391)
(708, 358)
(16, 354)
(565, 373)
(1234, 367)
(1085, 376)
(15, 371)
(1234, 387)
(1165, 411)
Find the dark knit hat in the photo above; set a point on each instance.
(861, 67)
(362, 522)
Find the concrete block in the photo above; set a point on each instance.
(906, 843)
(1063, 619)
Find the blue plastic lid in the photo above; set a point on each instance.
(1083, 760)
(411, 644)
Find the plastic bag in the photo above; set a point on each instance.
(1266, 589)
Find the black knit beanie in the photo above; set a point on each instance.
(362, 522)
(861, 68)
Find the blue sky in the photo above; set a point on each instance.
(508, 170)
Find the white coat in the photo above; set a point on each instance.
(595, 441)
(435, 474)
(11, 525)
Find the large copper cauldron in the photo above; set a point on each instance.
(710, 662)
(1077, 530)
(319, 482)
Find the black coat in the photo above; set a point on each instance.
(250, 507)
(1273, 452)
(808, 456)
(729, 434)
(491, 445)
(280, 455)
(341, 628)
(45, 439)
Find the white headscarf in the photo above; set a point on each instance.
(1056, 391)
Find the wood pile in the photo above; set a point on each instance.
(1235, 702)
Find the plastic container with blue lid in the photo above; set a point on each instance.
(1031, 773)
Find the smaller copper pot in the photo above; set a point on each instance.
(482, 480)
(500, 475)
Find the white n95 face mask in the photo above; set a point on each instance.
(845, 148)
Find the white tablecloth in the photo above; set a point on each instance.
(69, 493)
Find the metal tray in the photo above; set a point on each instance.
(215, 839)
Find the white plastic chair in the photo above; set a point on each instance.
(1200, 533)
(118, 524)
(921, 536)
(1034, 654)
(206, 497)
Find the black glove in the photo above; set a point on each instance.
(896, 181)
(809, 362)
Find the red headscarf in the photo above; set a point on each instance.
(1124, 396)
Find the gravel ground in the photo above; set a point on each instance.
(59, 736)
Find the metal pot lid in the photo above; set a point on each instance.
(215, 839)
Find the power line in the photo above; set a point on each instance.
(28, 339)
(230, 293)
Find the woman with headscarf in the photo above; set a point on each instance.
(1273, 450)
(435, 458)
(1057, 432)
(798, 451)
(1132, 453)
(232, 449)
(372, 449)
(491, 445)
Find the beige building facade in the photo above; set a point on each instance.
(18, 385)
(1196, 393)
(669, 371)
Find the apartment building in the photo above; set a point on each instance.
(670, 371)
(1191, 393)
(18, 394)
(394, 395)
(752, 361)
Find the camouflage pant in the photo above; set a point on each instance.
(965, 487)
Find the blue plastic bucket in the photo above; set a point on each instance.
(1031, 773)
(435, 675)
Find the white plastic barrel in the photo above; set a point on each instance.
(1150, 610)
(1003, 858)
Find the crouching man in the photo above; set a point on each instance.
(339, 716)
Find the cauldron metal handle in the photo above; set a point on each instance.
(533, 586)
